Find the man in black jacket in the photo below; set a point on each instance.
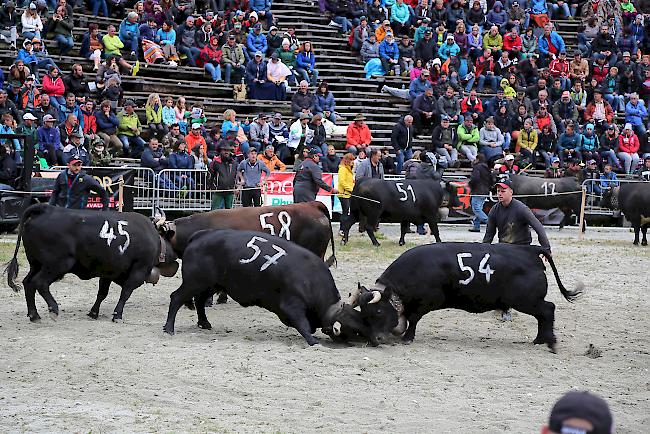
(223, 171)
(443, 141)
(423, 110)
(75, 82)
(426, 47)
(72, 187)
(402, 140)
(309, 179)
(605, 44)
(480, 183)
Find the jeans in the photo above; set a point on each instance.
(345, 24)
(450, 156)
(470, 151)
(470, 84)
(616, 101)
(227, 69)
(214, 71)
(191, 52)
(268, 16)
(132, 145)
(9, 35)
(639, 129)
(611, 158)
(305, 75)
(97, 5)
(630, 161)
(404, 154)
(57, 101)
(565, 10)
(491, 79)
(396, 92)
(65, 43)
(185, 181)
(245, 146)
(546, 156)
(166, 183)
(477, 203)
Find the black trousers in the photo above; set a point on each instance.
(251, 197)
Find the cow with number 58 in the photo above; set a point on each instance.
(124, 248)
(468, 276)
(258, 269)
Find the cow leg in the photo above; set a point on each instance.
(410, 331)
(199, 301)
(433, 225)
(404, 226)
(295, 313)
(637, 227)
(52, 305)
(104, 285)
(135, 280)
(30, 296)
(544, 312)
(176, 300)
(40, 280)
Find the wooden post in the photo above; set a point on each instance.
(583, 202)
(120, 194)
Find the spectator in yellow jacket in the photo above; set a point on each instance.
(346, 184)
(527, 141)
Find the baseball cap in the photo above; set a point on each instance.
(581, 405)
(555, 160)
(509, 157)
(48, 118)
(257, 26)
(314, 151)
(30, 77)
(628, 126)
(269, 148)
(504, 183)
(611, 127)
(75, 161)
(444, 118)
(29, 117)
(386, 22)
(626, 54)
(32, 5)
(231, 37)
(196, 126)
(272, 28)
(592, 161)
(259, 53)
(277, 116)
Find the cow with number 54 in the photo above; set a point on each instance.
(258, 269)
(468, 276)
(124, 248)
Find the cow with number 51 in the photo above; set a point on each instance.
(469, 276)
(257, 269)
(124, 248)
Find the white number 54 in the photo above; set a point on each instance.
(483, 268)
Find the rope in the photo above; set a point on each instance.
(25, 192)
(528, 195)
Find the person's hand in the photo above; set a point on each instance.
(335, 191)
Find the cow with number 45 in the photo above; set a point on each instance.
(469, 276)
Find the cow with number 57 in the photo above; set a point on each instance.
(124, 248)
(258, 269)
(405, 201)
(469, 276)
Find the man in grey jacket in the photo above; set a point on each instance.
(371, 167)
(448, 105)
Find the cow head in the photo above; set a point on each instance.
(610, 198)
(167, 229)
(344, 323)
(450, 194)
(381, 310)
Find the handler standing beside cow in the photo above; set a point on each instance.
(309, 179)
(72, 187)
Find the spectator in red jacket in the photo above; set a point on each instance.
(628, 148)
(512, 43)
(54, 87)
(559, 68)
(89, 123)
(210, 57)
(473, 105)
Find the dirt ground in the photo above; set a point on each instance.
(463, 373)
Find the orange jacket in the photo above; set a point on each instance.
(358, 135)
(272, 162)
(192, 141)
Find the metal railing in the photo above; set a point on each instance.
(595, 189)
(183, 190)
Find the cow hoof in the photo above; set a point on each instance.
(539, 341)
(118, 320)
(54, 316)
(313, 341)
(553, 348)
(205, 325)
(376, 244)
(93, 315)
(168, 330)
(401, 242)
(34, 317)
(644, 243)
(636, 243)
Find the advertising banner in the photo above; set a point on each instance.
(279, 190)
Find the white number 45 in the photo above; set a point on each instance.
(108, 234)
(483, 268)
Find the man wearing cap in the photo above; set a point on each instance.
(29, 128)
(256, 40)
(49, 141)
(426, 47)
(389, 55)
(232, 57)
(448, 49)
(271, 160)
(383, 30)
(357, 135)
(591, 174)
(279, 134)
(580, 413)
(256, 74)
(72, 187)
(249, 174)
(223, 173)
(309, 179)
(263, 9)
(129, 130)
(195, 138)
(555, 171)
(444, 140)
(74, 150)
(578, 67)
(259, 132)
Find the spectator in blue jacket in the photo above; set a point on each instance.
(148, 30)
(550, 44)
(389, 55)
(107, 123)
(400, 17)
(608, 178)
(49, 142)
(26, 54)
(256, 41)
(635, 114)
(568, 144)
(497, 17)
(448, 49)
(166, 38)
(75, 149)
(324, 102)
(263, 10)
(181, 159)
(306, 62)
(130, 32)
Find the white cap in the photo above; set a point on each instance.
(29, 117)
(510, 157)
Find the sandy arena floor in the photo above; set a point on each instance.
(463, 373)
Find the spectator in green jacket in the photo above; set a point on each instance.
(468, 138)
(129, 131)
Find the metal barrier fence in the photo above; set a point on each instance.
(595, 189)
(183, 190)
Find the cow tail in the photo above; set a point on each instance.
(570, 296)
(332, 259)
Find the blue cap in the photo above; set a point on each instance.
(259, 53)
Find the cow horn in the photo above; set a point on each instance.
(336, 328)
(353, 298)
(401, 326)
(159, 222)
(376, 296)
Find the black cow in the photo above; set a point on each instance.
(633, 199)
(544, 194)
(469, 276)
(402, 201)
(124, 248)
(257, 269)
